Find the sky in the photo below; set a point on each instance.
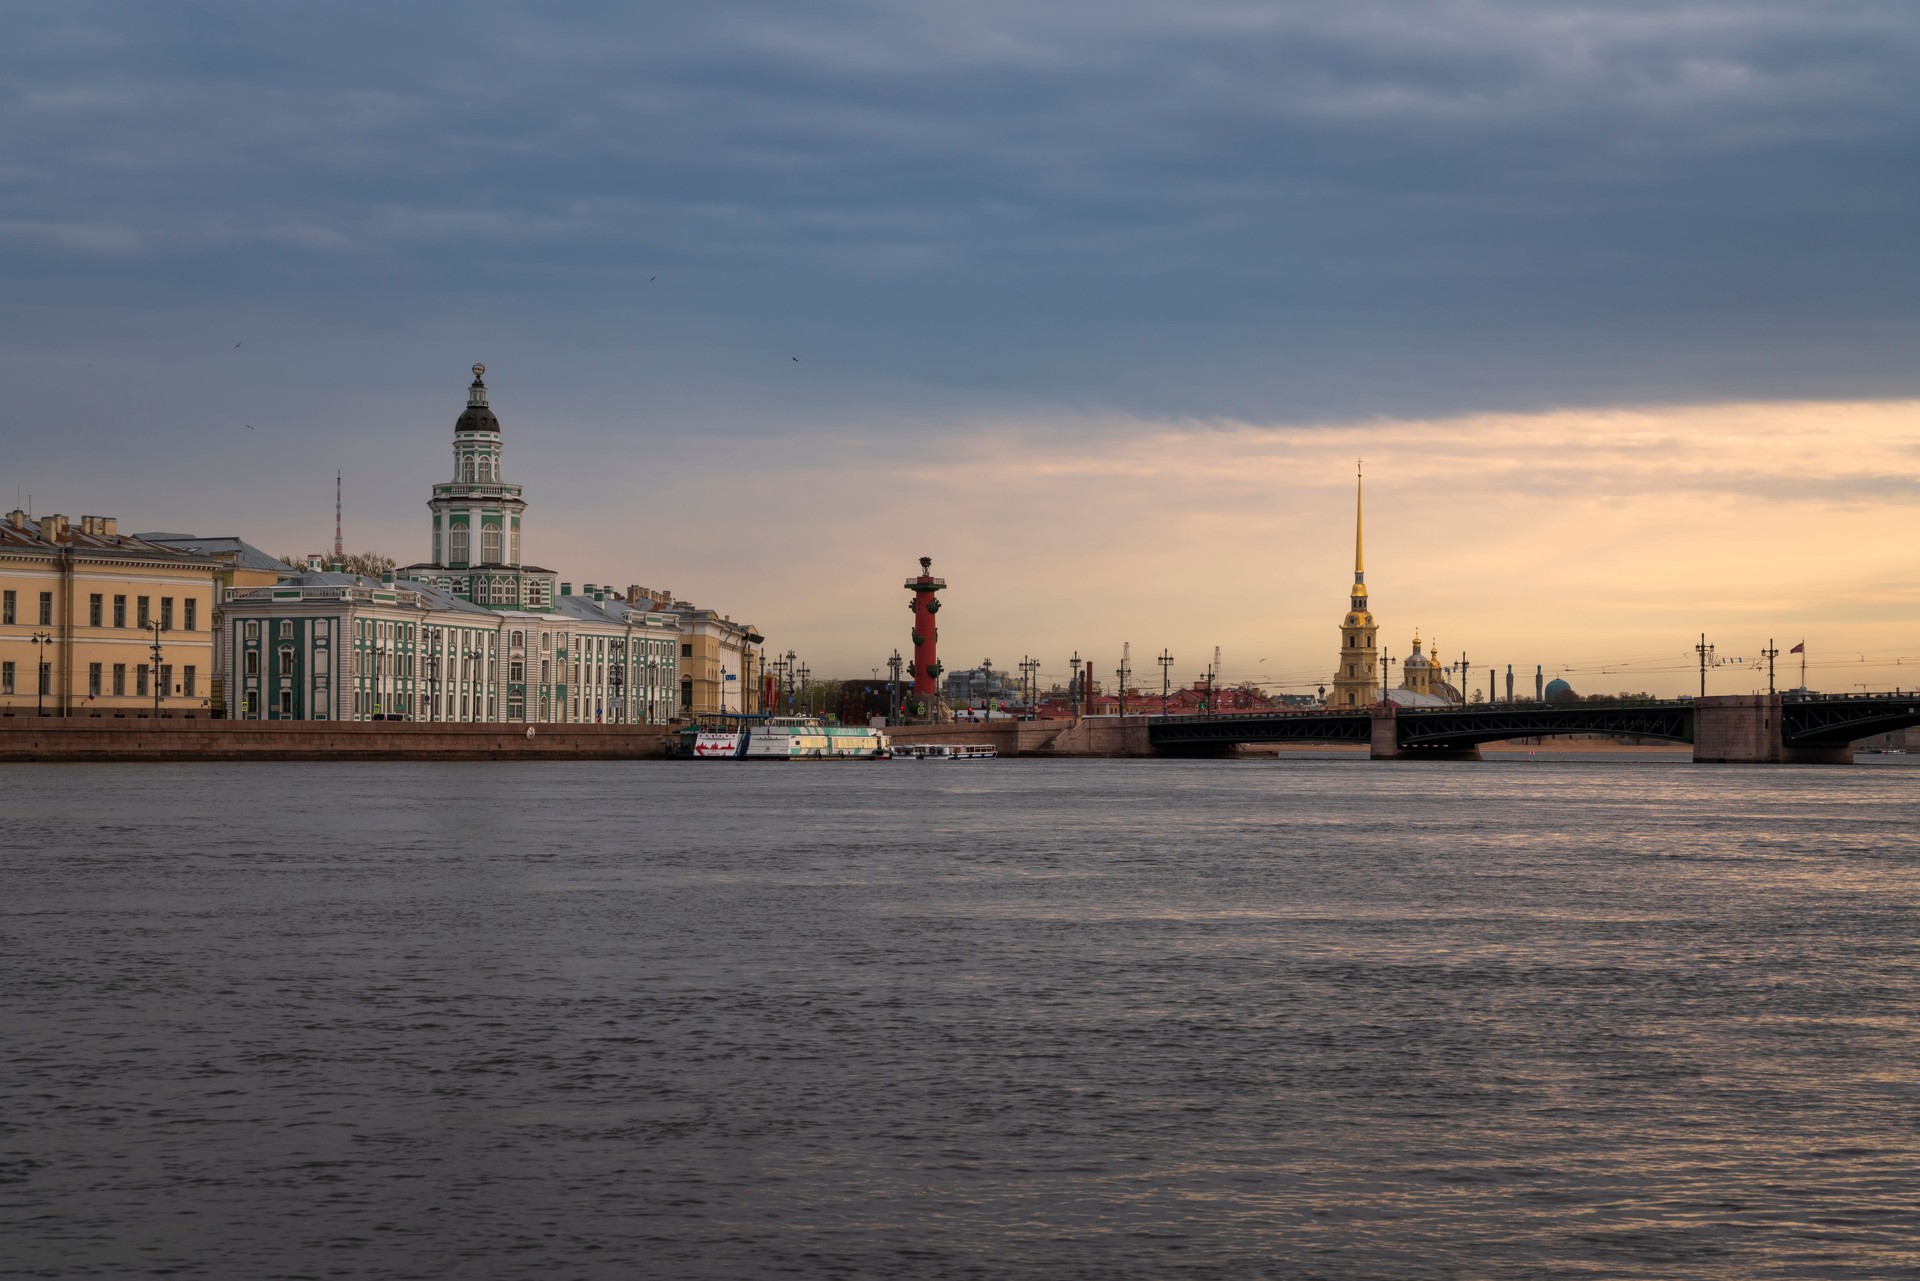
(1097, 304)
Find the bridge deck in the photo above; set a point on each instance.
(1809, 723)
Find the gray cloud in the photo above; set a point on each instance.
(1271, 211)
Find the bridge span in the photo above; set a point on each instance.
(1752, 728)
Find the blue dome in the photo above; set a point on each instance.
(1558, 689)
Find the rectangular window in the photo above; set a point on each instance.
(286, 704)
(166, 679)
(686, 650)
(8, 604)
(96, 609)
(516, 671)
(253, 629)
(142, 612)
(46, 609)
(253, 662)
(93, 677)
(120, 679)
(166, 613)
(459, 554)
(6, 674)
(490, 545)
(286, 629)
(119, 611)
(140, 674)
(193, 614)
(286, 660)
(191, 686)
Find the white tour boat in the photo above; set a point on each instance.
(945, 752)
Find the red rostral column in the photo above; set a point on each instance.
(926, 667)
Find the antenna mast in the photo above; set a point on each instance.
(339, 551)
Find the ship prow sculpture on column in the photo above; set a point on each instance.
(926, 703)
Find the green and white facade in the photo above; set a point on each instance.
(473, 636)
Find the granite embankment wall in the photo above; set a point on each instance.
(1090, 736)
(56, 739)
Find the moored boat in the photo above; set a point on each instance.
(781, 738)
(945, 752)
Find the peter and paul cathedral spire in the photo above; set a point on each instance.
(1359, 539)
(1356, 681)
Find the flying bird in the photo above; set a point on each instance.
(795, 359)
(236, 346)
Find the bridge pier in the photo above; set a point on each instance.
(1746, 729)
(1385, 743)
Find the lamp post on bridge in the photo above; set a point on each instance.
(1166, 681)
(42, 671)
(1770, 652)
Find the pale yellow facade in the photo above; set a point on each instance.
(721, 663)
(81, 609)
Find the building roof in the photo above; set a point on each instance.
(477, 416)
(243, 554)
(89, 535)
(1408, 698)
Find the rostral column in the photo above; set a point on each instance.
(925, 668)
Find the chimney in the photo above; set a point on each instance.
(54, 529)
(566, 589)
(386, 578)
(313, 563)
(633, 593)
(17, 518)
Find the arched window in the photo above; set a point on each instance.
(459, 556)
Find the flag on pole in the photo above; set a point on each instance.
(1801, 648)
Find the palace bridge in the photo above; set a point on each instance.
(1756, 728)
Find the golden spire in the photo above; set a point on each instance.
(1359, 544)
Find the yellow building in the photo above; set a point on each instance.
(720, 666)
(83, 609)
(1356, 681)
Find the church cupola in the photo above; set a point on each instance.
(476, 416)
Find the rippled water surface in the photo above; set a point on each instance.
(1061, 1019)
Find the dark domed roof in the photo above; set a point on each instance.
(476, 416)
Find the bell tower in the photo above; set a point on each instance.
(1356, 681)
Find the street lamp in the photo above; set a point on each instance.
(41, 670)
(474, 656)
(893, 688)
(156, 668)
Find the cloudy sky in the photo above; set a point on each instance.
(1096, 303)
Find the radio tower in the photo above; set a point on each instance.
(339, 552)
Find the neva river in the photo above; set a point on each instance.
(1005, 1019)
